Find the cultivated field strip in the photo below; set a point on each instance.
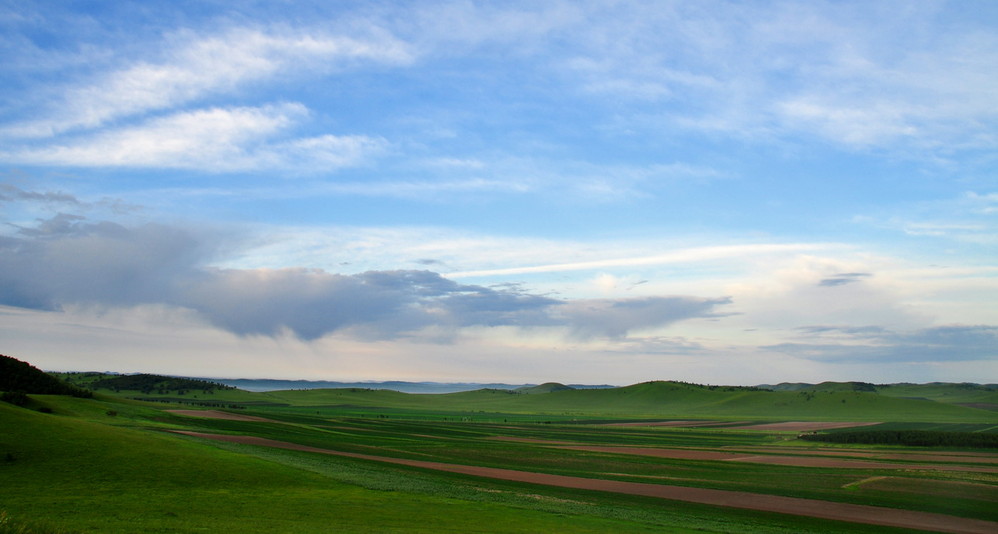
(838, 511)
(799, 458)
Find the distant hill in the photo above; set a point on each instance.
(669, 399)
(983, 396)
(833, 401)
(824, 386)
(266, 384)
(547, 387)
(18, 376)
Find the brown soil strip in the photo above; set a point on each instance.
(531, 440)
(682, 424)
(802, 458)
(795, 461)
(800, 426)
(218, 414)
(855, 513)
(672, 454)
(804, 461)
(967, 457)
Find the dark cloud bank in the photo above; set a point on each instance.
(69, 260)
(875, 343)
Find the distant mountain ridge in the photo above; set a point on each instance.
(845, 401)
(258, 385)
(943, 391)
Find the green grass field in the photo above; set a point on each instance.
(109, 464)
(831, 402)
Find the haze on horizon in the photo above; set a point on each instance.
(582, 192)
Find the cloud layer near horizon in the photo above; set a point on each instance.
(68, 260)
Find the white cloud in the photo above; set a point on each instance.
(213, 140)
(69, 261)
(194, 66)
(875, 123)
(423, 189)
(690, 255)
(964, 219)
(858, 75)
(811, 289)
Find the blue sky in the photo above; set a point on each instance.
(588, 192)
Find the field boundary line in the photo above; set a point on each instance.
(838, 511)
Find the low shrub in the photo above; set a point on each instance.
(17, 398)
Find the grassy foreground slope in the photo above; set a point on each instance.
(79, 474)
(81, 469)
(107, 465)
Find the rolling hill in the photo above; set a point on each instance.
(852, 401)
(17, 376)
(647, 400)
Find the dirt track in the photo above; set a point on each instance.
(946, 456)
(855, 513)
(800, 426)
(218, 414)
(691, 423)
(797, 458)
(798, 461)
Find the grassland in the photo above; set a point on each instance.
(830, 402)
(112, 464)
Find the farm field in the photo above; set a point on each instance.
(485, 461)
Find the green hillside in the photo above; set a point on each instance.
(962, 393)
(950, 393)
(654, 399)
(547, 387)
(650, 400)
(109, 464)
(829, 401)
(18, 378)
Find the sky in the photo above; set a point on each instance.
(592, 192)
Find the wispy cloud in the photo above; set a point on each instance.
(965, 218)
(12, 193)
(213, 140)
(139, 115)
(680, 256)
(841, 279)
(778, 70)
(194, 66)
(614, 318)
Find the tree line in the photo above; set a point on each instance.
(148, 383)
(913, 438)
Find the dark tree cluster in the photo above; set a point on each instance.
(147, 383)
(22, 377)
(912, 438)
(710, 387)
(204, 404)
